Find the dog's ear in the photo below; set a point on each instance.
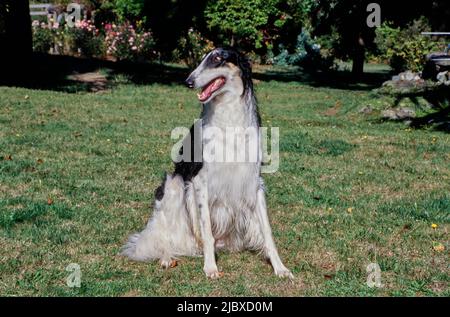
(246, 72)
(232, 55)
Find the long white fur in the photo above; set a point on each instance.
(168, 232)
(224, 206)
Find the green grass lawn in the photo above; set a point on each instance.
(78, 171)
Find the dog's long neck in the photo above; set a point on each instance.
(232, 111)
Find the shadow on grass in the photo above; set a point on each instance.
(439, 119)
(51, 72)
(333, 79)
(438, 98)
(62, 73)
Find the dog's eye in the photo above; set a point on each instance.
(217, 59)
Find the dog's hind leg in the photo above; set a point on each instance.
(270, 249)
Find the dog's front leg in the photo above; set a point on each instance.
(201, 195)
(269, 245)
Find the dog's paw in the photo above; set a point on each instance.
(284, 273)
(165, 264)
(213, 273)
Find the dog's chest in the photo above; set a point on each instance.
(233, 172)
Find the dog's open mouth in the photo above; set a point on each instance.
(210, 88)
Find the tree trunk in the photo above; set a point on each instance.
(358, 57)
(15, 37)
(232, 42)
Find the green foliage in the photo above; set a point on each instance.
(192, 48)
(129, 10)
(301, 8)
(405, 48)
(43, 37)
(105, 13)
(244, 20)
(343, 23)
(307, 55)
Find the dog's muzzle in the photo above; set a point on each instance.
(190, 82)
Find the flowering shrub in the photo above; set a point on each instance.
(85, 39)
(192, 48)
(124, 42)
(43, 38)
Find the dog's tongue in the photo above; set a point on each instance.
(206, 93)
(210, 88)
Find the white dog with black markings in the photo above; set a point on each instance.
(206, 205)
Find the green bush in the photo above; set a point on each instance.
(307, 54)
(192, 48)
(105, 13)
(405, 49)
(43, 37)
(129, 10)
(249, 23)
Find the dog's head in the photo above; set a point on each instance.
(222, 71)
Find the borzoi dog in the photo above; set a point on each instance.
(209, 205)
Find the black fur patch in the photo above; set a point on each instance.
(189, 169)
(159, 192)
(219, 57)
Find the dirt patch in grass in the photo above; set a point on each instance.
(13, 191)
(95, 81)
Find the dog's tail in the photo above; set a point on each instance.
(168, 232)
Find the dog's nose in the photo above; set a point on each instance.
(189, 82)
